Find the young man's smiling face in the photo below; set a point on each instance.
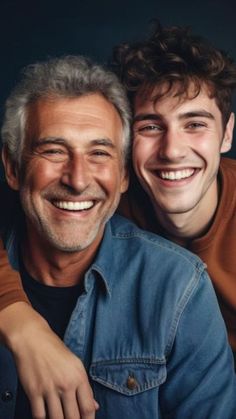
(176, 150)
(73, 172)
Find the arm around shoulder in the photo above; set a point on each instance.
(11, 290)
(51, 375)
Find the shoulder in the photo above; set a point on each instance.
(159, 274)
(227, 179)
(154, 248)
(228, 165)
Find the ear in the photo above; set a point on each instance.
(124, 180)
(228, 135)
(11, 170)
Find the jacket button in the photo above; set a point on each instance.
(7, 396)
(132, 383)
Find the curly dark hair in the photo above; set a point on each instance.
(174, 57)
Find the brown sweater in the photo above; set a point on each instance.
(10, 283)
(217, 248)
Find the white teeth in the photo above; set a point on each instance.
(74, 206)
(177, 174)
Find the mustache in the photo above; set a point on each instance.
(66, 194)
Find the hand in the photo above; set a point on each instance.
(53, 378)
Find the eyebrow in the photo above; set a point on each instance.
(57, 140)
(48, 140)
(145, 116)
(191, 114)
(103, 141)
(197, 113)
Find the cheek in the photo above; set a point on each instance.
(208, 145)
(142, 152)
(110, 179)
(137, 152)
(40, 173)
(209, 152)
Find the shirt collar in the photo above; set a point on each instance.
(103, 264)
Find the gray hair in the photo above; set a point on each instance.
(68, 77)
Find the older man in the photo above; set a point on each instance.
(139, 311)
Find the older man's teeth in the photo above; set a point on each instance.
(74, 206)
(177, 174)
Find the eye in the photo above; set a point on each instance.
(195, 125)
(52, 152)
(99, 155)
(151, 128)
(148, 129)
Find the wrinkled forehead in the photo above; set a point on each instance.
(85, 111)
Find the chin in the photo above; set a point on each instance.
(178, 210)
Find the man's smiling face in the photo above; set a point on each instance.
(73, 171)
(176, 150)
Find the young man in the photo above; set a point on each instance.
(13, 333)
(181, 91)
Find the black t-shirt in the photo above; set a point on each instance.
(55, 304)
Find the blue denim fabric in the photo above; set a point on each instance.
(149, 331)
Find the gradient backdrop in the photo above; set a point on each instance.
(35, 30)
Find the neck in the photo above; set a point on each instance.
(182, 228)
(53, 267)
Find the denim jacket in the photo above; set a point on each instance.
(149, 331)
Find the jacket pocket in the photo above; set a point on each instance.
(128, 388)
(129, 377)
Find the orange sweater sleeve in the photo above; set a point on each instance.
(11, 290)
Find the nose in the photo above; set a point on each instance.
(172, 146)
(76, 173)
